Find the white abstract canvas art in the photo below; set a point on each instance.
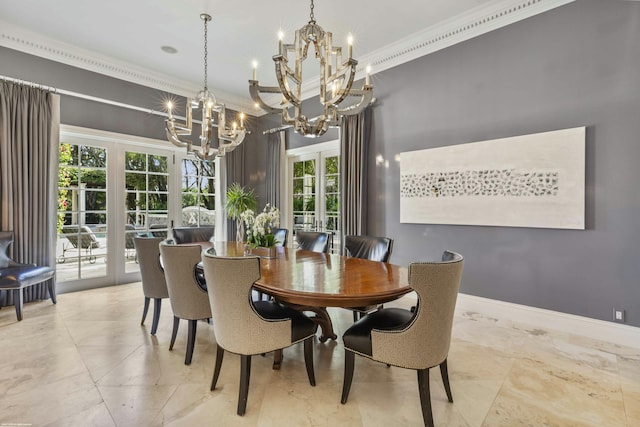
(524, 181)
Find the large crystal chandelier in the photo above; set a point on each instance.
(336, 79)
(228, 138)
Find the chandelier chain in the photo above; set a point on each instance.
(311, 15)
(206, 21)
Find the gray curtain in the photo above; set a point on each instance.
(29, 138)
(234, 165)
(274, 151)
(354, 141)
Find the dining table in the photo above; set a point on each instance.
(312, 281)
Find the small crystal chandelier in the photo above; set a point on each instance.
(336, 79)
(228, 138)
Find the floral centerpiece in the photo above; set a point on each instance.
(259, 228)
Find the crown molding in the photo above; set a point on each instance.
(470, 24)
(20, 39)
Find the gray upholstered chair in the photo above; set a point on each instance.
(154, 284)
(418, 340)
(192, 234)
(313, 241)
(248, 327)
(188, 297)
(158, 230)
(281, 235)
(15, 276)
(371, 248)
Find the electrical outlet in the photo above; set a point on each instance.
(618, 315)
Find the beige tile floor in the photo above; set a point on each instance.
(88, 362)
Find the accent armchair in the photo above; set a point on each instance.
(418, 340)
(15, 276)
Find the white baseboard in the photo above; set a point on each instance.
(615, 333)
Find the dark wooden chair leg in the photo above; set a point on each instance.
(308, 360)
(52, 291)
(145, 310)
(17, 301)
(425, 396)
(216, 370)
(445, 379)
(176, 323)
(349, 362)
(245, 374)
(191, 341)
(157, 305)
(355, 316)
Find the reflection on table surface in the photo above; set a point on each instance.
(321, 280)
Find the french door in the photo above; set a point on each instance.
(111, 188)
(314, 190)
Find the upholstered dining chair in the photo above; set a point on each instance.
(154, 284)
(313, 241)
(418, 340)
(281, 235)
(188, 299)
(370, 248)
(248, 327)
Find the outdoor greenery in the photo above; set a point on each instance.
(81, 167)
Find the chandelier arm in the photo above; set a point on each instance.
(254, 91)
(366, 100)
(173, 137)
(281, 75)
(342, 93)
(205, 156)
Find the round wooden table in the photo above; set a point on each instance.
(311, 281)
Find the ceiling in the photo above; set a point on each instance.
(123, 38)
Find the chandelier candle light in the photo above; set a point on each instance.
(228, 138)
(336, 80)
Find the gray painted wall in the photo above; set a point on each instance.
(90, 114)
(573, 66)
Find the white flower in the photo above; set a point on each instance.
(260, 226)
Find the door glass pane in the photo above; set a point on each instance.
(198, 193)
(81, 247)
(331, 194)
(146, 200)
(304, 195)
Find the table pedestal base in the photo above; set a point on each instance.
(321, 318)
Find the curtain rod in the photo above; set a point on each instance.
(278, 129)
(88, 97)
(285, 127)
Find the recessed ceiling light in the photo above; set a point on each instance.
(169, 49)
